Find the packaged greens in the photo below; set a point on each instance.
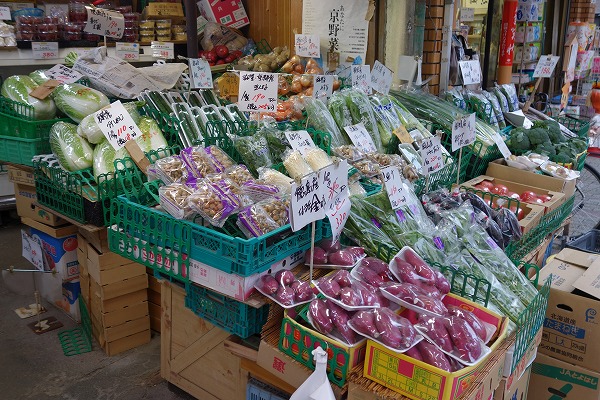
(502, 100)
(455, 96)
(496, 107)
(509, 90)
(321, 119)
(362, 112)
(340, 112)
(254, 151)
(481, 104)
(277, 141)
(384, 125)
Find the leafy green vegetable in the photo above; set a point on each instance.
(321, 119)
(518, 140)
(39, 76)
(78, 101)
(552, 128)
(18, 87)
(537, 136)
(254, 151)
(152, 137)
(361, 111)
(72, 151)
(338, 109)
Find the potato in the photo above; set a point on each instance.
(433, 356)
(380, 267)
(268, 284)
(303, 292)
(464, 339)
(350, 297)
(320, 256)
(342, 277)
(341, 257)
(285, 278)
(471, 319)
(340, 318)
(406, 272)
(441, 283)
(364, 322)
(319, 314)
(356, 251)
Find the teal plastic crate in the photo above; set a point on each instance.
(231, 315)
(21, 151)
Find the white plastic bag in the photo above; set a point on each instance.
(317, 386)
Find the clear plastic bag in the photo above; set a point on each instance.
(296, 166)
(211, 203)
(174, 199)
(172, 170)
(220, 159)
(200, 164)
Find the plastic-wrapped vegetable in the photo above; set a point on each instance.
(39, 76)
(78, 101)
(509, 90)
(254, 151)
(480, 102)
(276, 178)
(508, 224)
(384, 125)
(212, 203)
(496, 107)
(361, 111)
(174, 199)
(295, 164)
(18, 87)
(317, 158)
(277, 141)
(502, 100)
(104, 157)
(89, 129)
(321, 119)
(455, 96)
(73, 152)
(339, 111)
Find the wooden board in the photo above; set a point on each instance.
(193, 356)
(274, 21)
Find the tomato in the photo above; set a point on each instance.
(237, 53)
(230, 58)
(520, 214)
(211, 56)
(513, 195)
(70, 244)
(202, 54)
(481, 187)
(500, 190)
(538, 200)
(544, 198)
(487, 184)
(220, 62)
(528, 197)
(222, 51)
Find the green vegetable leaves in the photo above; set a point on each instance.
(72, 151)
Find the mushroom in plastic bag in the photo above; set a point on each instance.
(317, 386)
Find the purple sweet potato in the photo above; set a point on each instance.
(471, 319)
(356, 251)
(414, 353)
(403, 291)
(420, 267)
(329, 246)
(364, 322)
(320, 256)
(441, 282)
(303, 292)
(342, 277)
(268, 284)
(330, 287)
(431, 291)
(285, 278)
(367, 293)
(341, 257)
(394, 330)
(435, 328)
(433, 356)
(430, 304)
(380, 267)
(406, 272)
(465, 341)
(340, 318)
(285, 295)
(350, 297)
(319, 314)
(368, 275)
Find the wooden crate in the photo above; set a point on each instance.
(193, 356)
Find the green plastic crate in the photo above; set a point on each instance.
(78, 340)
(580, 127)
(21, 151)
(445, 177)
(231, 315)
(18, 120)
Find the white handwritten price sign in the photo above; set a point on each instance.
(44, 50)
(381, 78)
(5, 14)
(127, 51)
(463, 131)
(323, 86)
(307, 203)
(300, 140)
(117, 125)
(164, 50)
(200, 73)
(545, 66)
(361, 78)
(104, 22)
(63, 74)
(334, 180)
(360, 137)
(258, 91)
(471, 71)
(32, 250)
(307, 46)
(431, 154)
(502, 146)
(467, 14)
(392, 179)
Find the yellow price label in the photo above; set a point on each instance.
(228, 84)
(403, 135)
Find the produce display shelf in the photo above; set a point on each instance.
(231, 315)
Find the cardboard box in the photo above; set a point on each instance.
(128, 328)
(571, 330)
(232, 285)
(229, 13)
(21, 175)
(532, 215)
(552, 379)
(84, 285)
(421, 381)
(517, 390)
(126, 314)
(98, 239)
(158, 10)
(499, 169)
(121, 288)
(557, 198)
(127, 343)
(25, 197)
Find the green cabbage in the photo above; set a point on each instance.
(152, 138)
(105, 156)
(78, 101)
(18, 87)
(89, 129)
(73, 152)
(39, 76)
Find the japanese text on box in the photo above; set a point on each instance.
(44, 50)
(431, 153)
(127, 51)
(323, 86)
(104, 22)
(63, 74)
(360, 137)
(200, 73)
(117, 125)
(463, 131)
(361, 78)
(381, 78)
(307, 45)
(258, 91)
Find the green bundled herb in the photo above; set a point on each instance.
(338, 109)
(321, 119)
(254, 151)
(360, 108)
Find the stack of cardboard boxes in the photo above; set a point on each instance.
(567, 364)
(115, 291)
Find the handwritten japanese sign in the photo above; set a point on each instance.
(323, 86)
(44, 50)
(335, 184)
(307, 46)
(361, 78)
(394, 187)
(431, 154)
(228, 84)
(127, 51)
(258, 91)
(200, 74)
(381, 78)
(463, 131)
(164, 50)
(360, 137)
(5, 14)
(307, 203)
(117, 125)
(467, 14)
(545, 66)
(32, 250)
(300, 140)
(63, 74)
(502, 146)
(471, 71)
(104, 22)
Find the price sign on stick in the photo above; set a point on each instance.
(117, 125)
(335, 186)
(545, 66)
(307, 46)
(323, 86)
(381, 78)
(463, 131)
(300, 140)
(307, 202)
(63, 74)
(44, 50)
(32, 250)
(5, 14)
(258, 91)
(164, 50)
(431, 154)
(104, 22)
(471, 71)
(127, 51)
(361, 78)
(502, 146)
(200, 73)
(392, 179)
(360, 137)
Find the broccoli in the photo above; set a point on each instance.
(553, 129)
(537, 136)
(579, 145)
(546, 148)
(518, 140)
(562, 158)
